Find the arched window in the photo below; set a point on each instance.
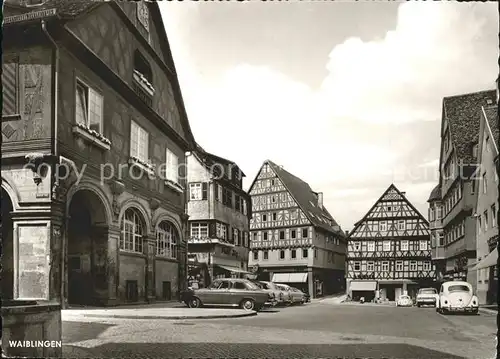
(132, 231)
(167, 239)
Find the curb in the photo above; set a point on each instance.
(177, 317)
(488, 311)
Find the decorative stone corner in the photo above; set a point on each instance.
(92, 136)
(146, 167)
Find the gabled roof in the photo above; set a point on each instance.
(463, 113)
(435, 194)
(306, 199)
(401, 194)
(491, 115)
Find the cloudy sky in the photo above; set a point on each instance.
(346, 96)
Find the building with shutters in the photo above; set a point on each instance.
(453, 202)
(94, 136)
(389, 250)
(219, 212)
(293, 238)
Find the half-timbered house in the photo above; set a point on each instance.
(219, 214)
(293, 237)
(457, 193)
(94, 135)
(389, 250)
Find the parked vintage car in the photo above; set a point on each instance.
(427, 296)
(298, 295)
(287, 295)
(457, 296)
(228, 292)
(279, 294)
(274, 292)
(404, 301)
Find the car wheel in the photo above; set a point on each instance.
(258, 308)
(418, 305)
(194, 303)
(247, 304)
(475, 312)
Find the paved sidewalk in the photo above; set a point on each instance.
(155, 313)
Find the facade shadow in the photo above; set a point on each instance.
(79, 331)
(285, 351)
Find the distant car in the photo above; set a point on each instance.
(427, 296)
(279, 294)
(457, 296)
(299, 295)
(274, 293)
(228, 292)
(404, 301)
(287, 295)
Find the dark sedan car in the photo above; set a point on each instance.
(230, 292)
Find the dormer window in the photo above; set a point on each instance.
(143, 78)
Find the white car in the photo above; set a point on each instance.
(457, 296)
(404, 301)
(427, 296)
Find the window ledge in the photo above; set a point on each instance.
(92, 136)
(144, 83)
(175, 186)
(146, 167)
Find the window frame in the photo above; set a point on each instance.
(170, 245)
(171, 166)
(137, 224)
(137, 150)
(200, 226)
(79, 82)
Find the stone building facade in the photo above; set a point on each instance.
(92, 154)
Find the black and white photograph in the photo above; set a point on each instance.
(250, 179)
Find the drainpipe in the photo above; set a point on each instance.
(55, 73)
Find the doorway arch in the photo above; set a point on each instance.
(7, 247)
(87, 248)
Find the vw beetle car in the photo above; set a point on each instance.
(427, 296)
(404, 301)
(273, 294)
(457, 296)
(230, 292)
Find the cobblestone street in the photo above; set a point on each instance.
(314, 330)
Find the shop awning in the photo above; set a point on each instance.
(289, 278)
(489, 261)
(233, 269)
(365, 285)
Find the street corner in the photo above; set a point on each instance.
(160, 313)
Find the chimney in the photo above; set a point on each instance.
(320, 200)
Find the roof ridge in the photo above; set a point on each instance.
(468, 94)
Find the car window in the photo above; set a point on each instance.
(215, 284)
(458, 288)
(404, 297)
(225, 285)
(239, 285)
(251, 285)
(428, 291)
(266, 286)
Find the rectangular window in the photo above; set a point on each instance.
(371, 246)
(198, 191)
(315, 253)
(427, 265)
(357, 246)
(370, 267)
(89, 109)
(413, 266)
(305, 253)
(266, 255)
(294, 254)
(172, 164)
(305, 233)
(404, 245)
(293, 234)
(357, 266)
(385, 266)
(236, 237)
(274, 216)
(485, 183)
(399, 266)
(216, 191)
(282, 234)
(485, 220)
(139, 142)
(282, 254)
(439, 212)
(255, 255)
(264, 218)
(402, 226)
(383, 226)
(237, 202)
(479, 224)
(387, 246)
(294, 214)
(265, 236)
(423, 245)
(199, 230)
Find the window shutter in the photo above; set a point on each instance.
(10, 81)
(204, 190)
(216, 191)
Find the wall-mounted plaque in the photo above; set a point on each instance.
(143, 14)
